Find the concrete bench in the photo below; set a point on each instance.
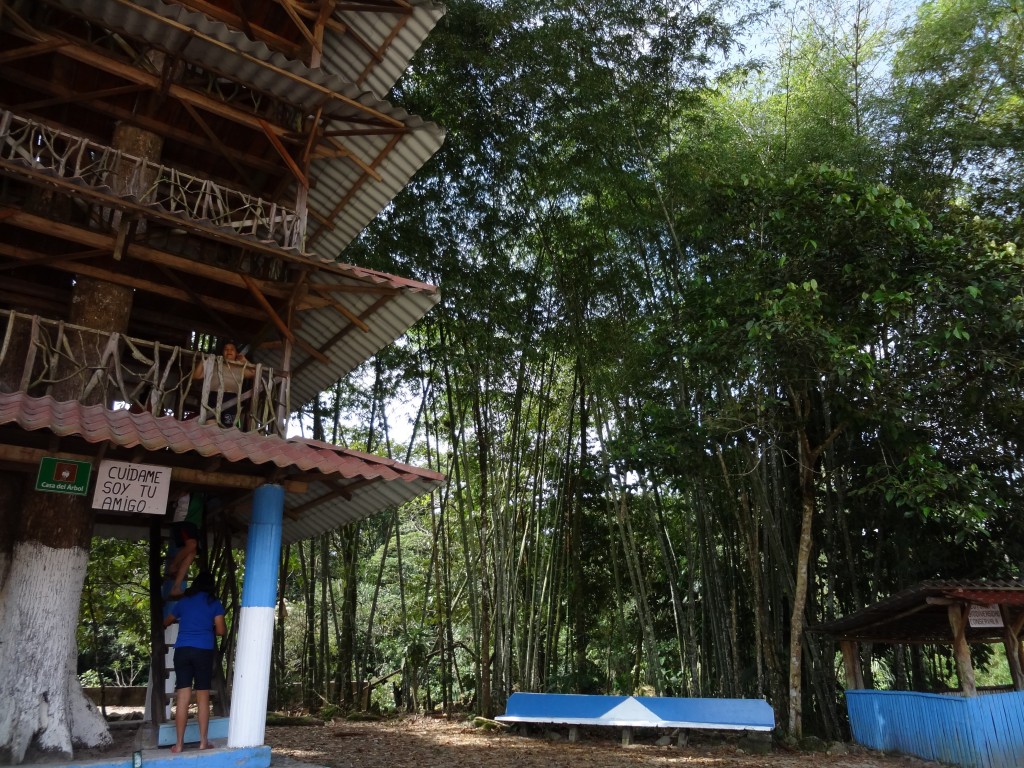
(629, 712)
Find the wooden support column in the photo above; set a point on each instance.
(851, 664)
(1012, 644)
(961, 650)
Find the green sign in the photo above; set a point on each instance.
(63, 476)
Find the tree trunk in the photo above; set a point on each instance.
(41, 702)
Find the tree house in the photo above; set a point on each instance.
(211, 160)
(175, 174)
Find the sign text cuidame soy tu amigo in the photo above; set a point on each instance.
(137, 488)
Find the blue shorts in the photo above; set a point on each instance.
(193, 664)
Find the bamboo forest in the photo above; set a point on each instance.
(729, 346)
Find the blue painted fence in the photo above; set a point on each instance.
(975, 732)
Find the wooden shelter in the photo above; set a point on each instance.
(200, 166)
(194, 154)
(962, 727)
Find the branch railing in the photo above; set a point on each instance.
(40, 356)
(35, 145)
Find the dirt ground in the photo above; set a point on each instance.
(422, 742)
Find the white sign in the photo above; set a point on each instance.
(138, 488)
(985, 616)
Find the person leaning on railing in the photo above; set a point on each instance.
(234, 374)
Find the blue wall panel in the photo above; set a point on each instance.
(976, 732)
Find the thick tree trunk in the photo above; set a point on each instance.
(38, 617)
(42, 706)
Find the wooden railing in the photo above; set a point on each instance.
(34, 145)
(41, 357)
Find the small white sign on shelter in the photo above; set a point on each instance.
(985, 616)
(135, 488)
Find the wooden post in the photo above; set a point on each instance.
(851, 664)
(158, 668)
(1011, 642)
(574, 733)
(627, 736)
(961, 650)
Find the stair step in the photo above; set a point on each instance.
(168, 736)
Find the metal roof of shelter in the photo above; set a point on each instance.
(328, 486)
(920, 614)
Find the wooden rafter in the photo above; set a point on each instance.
(281, 325)
(77, 98)
(275, 141)
(28, 258)
(300, 25)
(28, 51)
(328, 220)
(341, 151)
(88, 57)
(219, 145)
(364, 315)
(199, 301)
(349, 315)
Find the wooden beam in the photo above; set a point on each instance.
(144, 253)
(342, 151)
(154, 126)
(22, 455)
(219, 145)
(217, 319)
(342, 333)
(281, 326)
(961, 650)
(344, 491)
(351, 316)
(27, 51)
(300, 25)
(851, 664)
(1012, 647)
(75, 98)
(271, 312)
(45, 259)
(347, 197)
(73, 267)
(280, 149)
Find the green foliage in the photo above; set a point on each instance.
(113, 634)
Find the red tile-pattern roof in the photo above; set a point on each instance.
(377, 482)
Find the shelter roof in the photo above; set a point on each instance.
(920, 614)
(328, 486)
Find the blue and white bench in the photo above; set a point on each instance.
(629, 712)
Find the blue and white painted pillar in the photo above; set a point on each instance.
(256, 620)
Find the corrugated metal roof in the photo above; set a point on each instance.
(913, 616)
(388, 315)
(376, 483)
(342, 56)
(219, 48)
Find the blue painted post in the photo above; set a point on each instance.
(256, 620)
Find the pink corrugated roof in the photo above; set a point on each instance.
(97, 424)
(337, 486)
